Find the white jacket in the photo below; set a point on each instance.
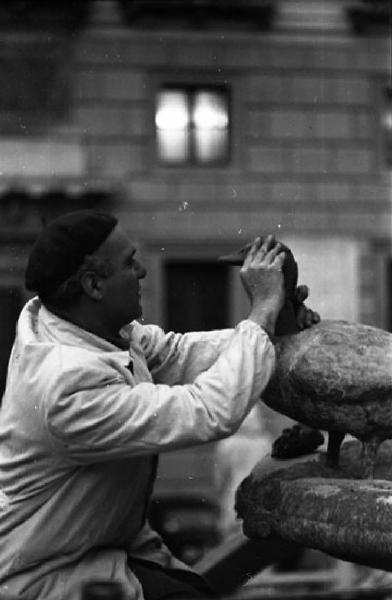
(78, 434)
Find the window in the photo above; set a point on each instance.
(192, 125)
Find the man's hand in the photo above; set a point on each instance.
(262, 278)
(305, 317)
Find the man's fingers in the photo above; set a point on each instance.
(301, 293)
(269, 243)
(268, 249)
(278, 261)
(277, 249)
(309, 318)
(306, 317)
(252, 252)
(316, 317)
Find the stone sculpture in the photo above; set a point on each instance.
(335, 376)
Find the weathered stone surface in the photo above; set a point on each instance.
(308, 503)
(335, 374)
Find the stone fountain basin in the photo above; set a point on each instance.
(330, 509)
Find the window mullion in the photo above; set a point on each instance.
(192, 127)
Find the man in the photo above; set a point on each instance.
(91, 400)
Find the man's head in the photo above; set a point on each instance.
(84, 260)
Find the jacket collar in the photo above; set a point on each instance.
(44, 326)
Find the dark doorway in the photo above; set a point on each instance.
(197, 295)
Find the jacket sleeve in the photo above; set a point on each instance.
(94, 415)
(175, 358)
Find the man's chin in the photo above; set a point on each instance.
(139, 313)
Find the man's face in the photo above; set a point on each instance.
(122, 290)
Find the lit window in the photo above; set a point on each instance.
(192, 125)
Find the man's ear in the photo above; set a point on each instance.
(93, 285)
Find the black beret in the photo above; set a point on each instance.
(62, 246)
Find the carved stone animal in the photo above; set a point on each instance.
(335, 376)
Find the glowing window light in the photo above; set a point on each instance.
(172, 120)
(210, 145)
(210, 111)
(192, 125)
(172, 110)
(173, 146)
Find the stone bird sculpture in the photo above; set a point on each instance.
(335, 376)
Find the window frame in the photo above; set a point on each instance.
(190, 91)
(197, 79)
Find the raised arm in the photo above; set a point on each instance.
(178, 358)
(101, 416)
